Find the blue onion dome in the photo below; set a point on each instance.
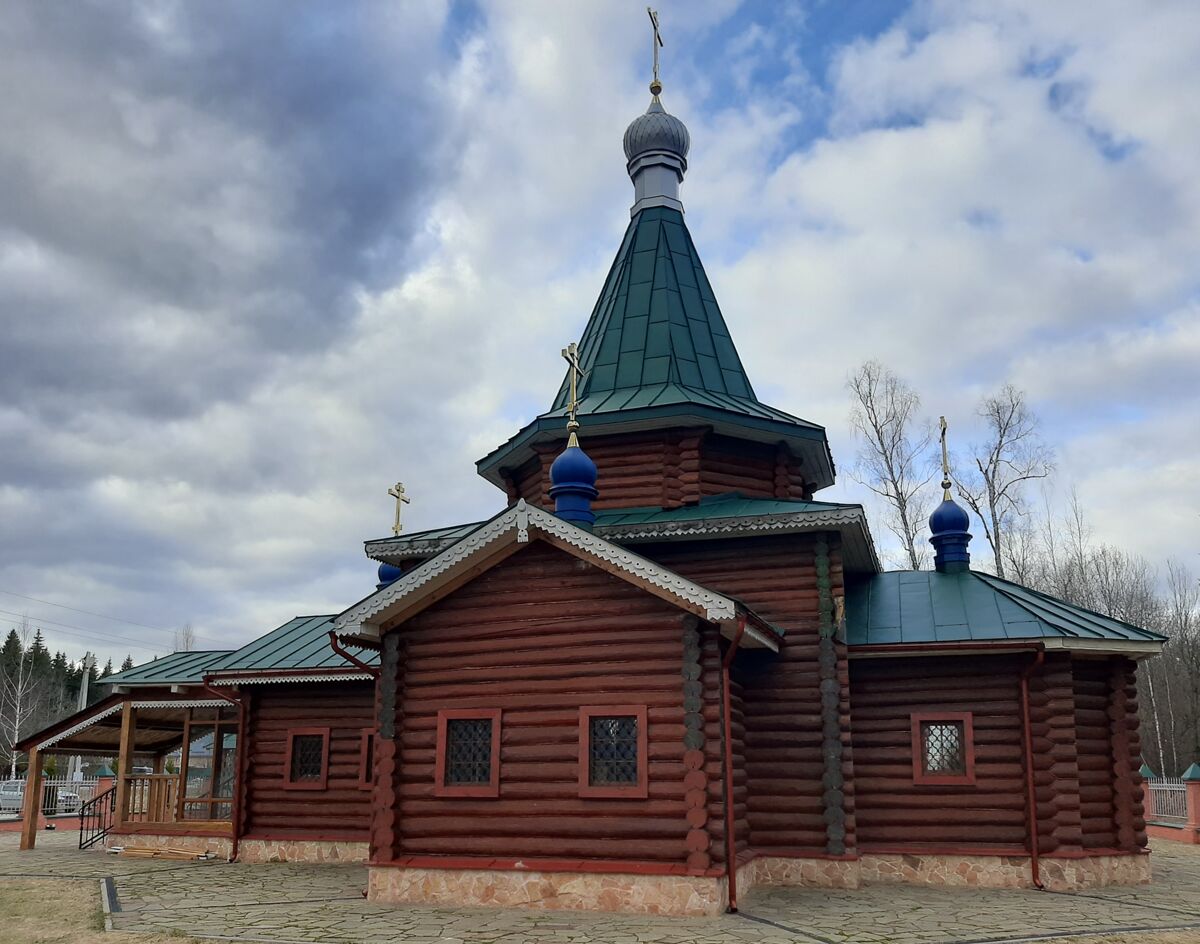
(657, 131)
(388, 573)
(573, 467)
(949, 517)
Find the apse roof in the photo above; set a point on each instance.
(656, 350)
(178, 668)
(926, 606)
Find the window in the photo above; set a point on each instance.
(468, 753)
(306, 766)
(366, 759)
(943, 746)
(612, 751)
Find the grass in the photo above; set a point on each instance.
(41, 911)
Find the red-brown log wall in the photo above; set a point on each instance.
(781, 703)
(343, 809)
(669, 468)
(538, 636)
(890, 809)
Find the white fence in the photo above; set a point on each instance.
(1169, 795)
(60, 796)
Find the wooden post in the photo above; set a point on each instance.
(125, 761)
(31, 808)
(159, 762)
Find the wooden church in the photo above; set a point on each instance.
(662, 674)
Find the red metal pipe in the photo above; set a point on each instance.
(730, 839)
(1031, 787)
(235, 808)
(353, 660)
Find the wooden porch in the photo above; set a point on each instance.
(195, 799)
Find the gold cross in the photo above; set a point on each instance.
(945, 462)
(397, 492)
(655, 86)
(570, 354)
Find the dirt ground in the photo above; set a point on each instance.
(53, 911)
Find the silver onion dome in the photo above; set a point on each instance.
(657, 131)
(656, 147)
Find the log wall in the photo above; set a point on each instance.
(890, 809)
(343, 809)
(668, 469)
(780, 715)
(538, 636)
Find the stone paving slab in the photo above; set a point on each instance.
(323, 904)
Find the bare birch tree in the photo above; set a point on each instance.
(185, 638)
(892, 459)
(1012, 455)
(18, 694)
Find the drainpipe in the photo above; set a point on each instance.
(239, 760)
(727, 739)
(352, 659)
(1031, 788)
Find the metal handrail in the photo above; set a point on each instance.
(96, 817)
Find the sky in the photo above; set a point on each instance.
(260, 261)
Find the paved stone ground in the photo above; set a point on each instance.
(303, 904)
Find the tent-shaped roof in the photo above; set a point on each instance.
(656, 351)
(928, 607)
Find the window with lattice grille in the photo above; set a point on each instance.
(612, 751)
(468, 753)
(943, 752)
(943, 747)
(307, 764)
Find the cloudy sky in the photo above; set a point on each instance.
(260, 260)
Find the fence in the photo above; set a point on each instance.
(60, 796)
(1173, 805)
(1168, 800)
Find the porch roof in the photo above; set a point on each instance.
(97, 728)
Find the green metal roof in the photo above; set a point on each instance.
(300, 643)
(179, 668)
(732, 512)
(656, 349)
(926, 606)
(657, 323)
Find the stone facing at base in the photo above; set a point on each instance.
(958, 871)
(217, 845)
(254, 851)
(687, 895)
(588, 891)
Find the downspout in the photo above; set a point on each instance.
(1031, 788)
(727, 741)
(239, 760)
(352, 659)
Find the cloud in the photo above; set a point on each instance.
(256, 264)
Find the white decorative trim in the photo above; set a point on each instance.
(300, 676)
(852, 522)
(515, 524)
(113, 709)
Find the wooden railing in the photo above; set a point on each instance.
(151, 798)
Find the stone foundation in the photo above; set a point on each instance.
(217, 845)
(688, 895)
(683, 895)
(813, 873)
(960, 871)
(255, 851)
